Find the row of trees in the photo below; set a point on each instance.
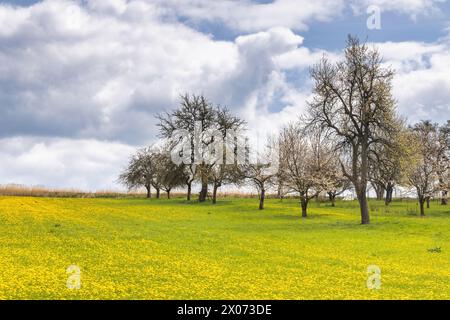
(351, 138)
(152, 167)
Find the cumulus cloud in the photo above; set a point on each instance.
(62, 163)
(70, 70)
(250, 16)
(100, 71)
(422, 81)
(103, 71)
(82, 79)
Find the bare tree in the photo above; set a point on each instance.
(306, 161)
(443, 161)
(261, 172)
(421, 173)
(140, 171)
(338, 183)
(340, 186)
(258, 176)
(223, 171)
(193, 110)
(157, 183)
(353, 103)
(221, 174)
(199, 117)
(387, 165)
(170, 174)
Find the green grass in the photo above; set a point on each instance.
(170, 249)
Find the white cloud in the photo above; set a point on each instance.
(104, 71)
(422, 81)
(81, 80)
(250, 16)
(412, 8)
(87, 73)
(74, 71)
(62, 163)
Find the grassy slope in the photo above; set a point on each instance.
(143, 249)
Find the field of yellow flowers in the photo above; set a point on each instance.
(170, 249)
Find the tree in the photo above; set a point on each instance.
(296, 160)
(221, 174)
(282, 175)
(261, 172)
(387, 165)
(197, 118)
(258, 176)
(443, 161)
(223, 171)
(421, 173)
(189, 174)
(194, 111)
(170, 174)
(305, 160)
(377, 185)
(338, 183)
(157, 182)
(139, 171)
(353, 103)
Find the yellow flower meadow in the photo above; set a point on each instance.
(170, 249)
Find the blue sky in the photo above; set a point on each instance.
(331, 35)
(395, 27)
(81, 81)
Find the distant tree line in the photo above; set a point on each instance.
(351, 138)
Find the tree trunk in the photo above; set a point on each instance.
(444, 198)
(261, 199)
(149, 191)
(203, 192)
(214, 197)
(332, 198)
(280, 192)
(158, 193)
(380, 195)
(379, 191)
(168, 194)
(389, 192)
(189, 191)
(444, 192)
(422, 206)
(304, 204)
(362, 199)
(428, 202)
(362, 184)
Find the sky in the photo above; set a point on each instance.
(82, 80)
